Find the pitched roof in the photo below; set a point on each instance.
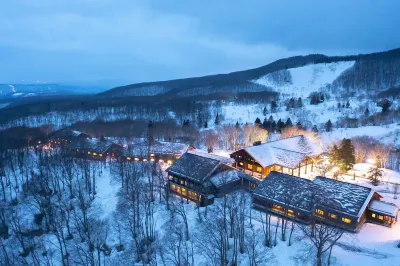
(66, 133)
(287, 152)
(383, 207)
(222, 159)
(286, 189)
(200, 167)
(338, 196)
(92, 145)
(156, 147)
(343, 197)
(193, 167)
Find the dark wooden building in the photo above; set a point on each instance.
(157, 151)
(327, 200)
(201, 178)
(294, 156)
(65, 137)
(94, 149)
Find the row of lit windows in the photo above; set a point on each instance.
(380, 217)
(94, 153)
(145, 160)
(332, 216)
(182, 191)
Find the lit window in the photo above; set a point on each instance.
(320, 212)
(169, 162)
(380, 217)
(88, 152)
(152, 159)
(249, 166)
(136, 159)
(241, 163)
(259, 169)
(161, 161)
(333, 216)
(274, 206)
(128, 158)
(373, 215)
(170, 177)
(94, 153)
(101, 155)
(152, 154)
(182, 182)
(144, 160)
(346, 220)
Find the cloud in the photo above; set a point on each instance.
(151, 40)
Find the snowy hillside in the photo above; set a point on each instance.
(301, 81)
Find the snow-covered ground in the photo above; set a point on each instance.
(307, 79)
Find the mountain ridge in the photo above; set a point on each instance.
(243, 76)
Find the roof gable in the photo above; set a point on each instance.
(287, 152)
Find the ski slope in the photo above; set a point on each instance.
(307, 79)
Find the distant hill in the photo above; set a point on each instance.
(373, 72)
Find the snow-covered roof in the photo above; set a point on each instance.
(222, 159)
(383, 208)
(193, 167)
(156, 147)
(287, 190)
(201, 168)
(92, 145)
(343, 197)
(303, 194)
(66, 133)
(287, 152)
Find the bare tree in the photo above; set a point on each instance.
(323, 237)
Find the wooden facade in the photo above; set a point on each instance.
(191, 190)
(112, 151)
(321, 214)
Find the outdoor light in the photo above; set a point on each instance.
(371, 161)
(335, 169)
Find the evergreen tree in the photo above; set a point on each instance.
(366, 113)
(206, 124)
(328, 126)
(299, 126)
(265, 111)
(315, 129)
(270, 119)
(299, 102)
(322, 97)
(237, 124)
(290, 104)
(273, 126)
(288, 123)
(186, 122)
(348, 104)
(274, 105)
(334, 155)
(280, 125)
(150, 124)
(339, 105)
(265, 124)
(375, 174)
(257, 122)
(217, 119)
(347, 157)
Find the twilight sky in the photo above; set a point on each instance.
(126, 41)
